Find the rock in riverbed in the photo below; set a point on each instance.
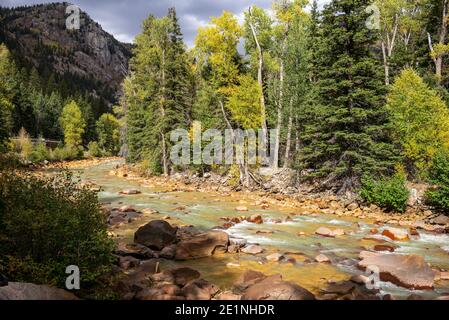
(202, 245)
(128, 262)
(256, 218)
(253, 249)
(384, 247)
(409, 271)
(156, 235)
(130, 192)
(441, 220)
(396, 234)
(200, 290)
(261, 287)
(321, 258)
(135, 250)
(180, 276)
(326, 232)
(238, 242)
(275, 257)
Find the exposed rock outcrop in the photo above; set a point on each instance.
(38, 34)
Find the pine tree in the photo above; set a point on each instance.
(158, 91)
(108, 131)
(348, 134)
(312, 44)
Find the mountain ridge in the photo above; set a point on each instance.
(37, 36)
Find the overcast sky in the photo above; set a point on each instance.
(123, 18)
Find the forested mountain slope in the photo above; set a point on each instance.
(86, 59)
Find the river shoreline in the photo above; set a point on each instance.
(291, 233)
(416, 217)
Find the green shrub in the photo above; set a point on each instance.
(438, 196)
(9, 160)
(94, 149)
(47, 224)
(388, 193)
(66, 153)
(40, 153)
(58, 154)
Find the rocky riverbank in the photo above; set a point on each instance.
(77, 164)
(158, 240)
(404, 270)
(198, 239)
(300, 200)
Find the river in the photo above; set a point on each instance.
(206, 209)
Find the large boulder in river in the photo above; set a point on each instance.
(202, 245)
(29, 291)
(273, 288)
(156, 235)
(409, 271)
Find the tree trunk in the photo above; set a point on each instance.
(275, 163)
(438, 58)
(260, 81)
(297, 138)
(387, 49)
(386, 65)
(164, 154)
(161, 104)
(289, 136)
(442, 40)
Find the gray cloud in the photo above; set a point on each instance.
(123, 18)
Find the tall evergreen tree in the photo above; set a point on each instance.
(349, 132)
(158, 91)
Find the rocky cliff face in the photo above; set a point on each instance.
(38, 35)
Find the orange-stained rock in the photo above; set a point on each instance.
(396, 234)
(256, 218)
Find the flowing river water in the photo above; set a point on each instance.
(206, 208)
